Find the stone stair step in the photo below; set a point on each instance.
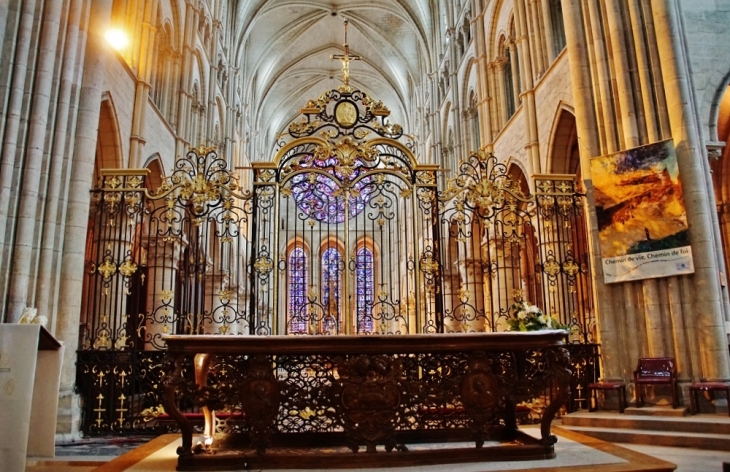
(657, 411)
(702, 423)
(715, 442)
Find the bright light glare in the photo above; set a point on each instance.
(117, 39)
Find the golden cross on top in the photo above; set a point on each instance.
(346, 59)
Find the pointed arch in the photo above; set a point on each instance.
(563, 152)
(109, 152)
(156, 172)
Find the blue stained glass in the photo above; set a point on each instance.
(320, 196)
(331, 287)
(365, 290)
(297, 290)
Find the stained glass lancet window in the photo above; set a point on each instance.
(365, 290)
(331, 259)
(297, 291)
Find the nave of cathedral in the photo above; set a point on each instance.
(267, 167)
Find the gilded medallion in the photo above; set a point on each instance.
(346, 114)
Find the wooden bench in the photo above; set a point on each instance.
(707, 387)
(656, 371)
(619, 387)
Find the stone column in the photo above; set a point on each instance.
(699, 201)
(471, 292)
(508, 275)
(142, 93)
(547, 21)
(54, 224)
(529, 110)
(82, 171)
(645, 76)
(111, 250)
(515, 60)
(25, 247)
(536, 36)
(221, 303)
(500, 64)
(589, 146)
(482, 78)
(607, 118)
(17, 70)
(163, 262)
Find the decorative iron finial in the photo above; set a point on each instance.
(346, 59)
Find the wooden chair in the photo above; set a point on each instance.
(656, 371)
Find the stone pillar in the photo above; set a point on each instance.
(142, 93)
(12, 137)
(645, 76)
(110, 252)
(49, 280)
(547, 21)
(163, 262)
(606, 302)
(480, 43)
(508, 276)
(515, 60)
(82, 171)
(529, 110)
(699, 201)
(607, 118)
(25, 248)
(536, 36)
(185, 99)
(500, 64)
(471, 293)
(221, 303)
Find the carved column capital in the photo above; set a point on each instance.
(714, 149)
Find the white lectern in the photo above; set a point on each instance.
(30, 374)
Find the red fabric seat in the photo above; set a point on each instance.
(656, 371)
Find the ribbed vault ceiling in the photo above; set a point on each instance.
(284, 48)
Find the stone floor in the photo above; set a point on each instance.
(94, 454)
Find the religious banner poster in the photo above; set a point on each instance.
(642, 220)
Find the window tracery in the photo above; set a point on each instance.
(320, 197)
(365, 276)
(331, 267)
(297, 291)
(556, 20)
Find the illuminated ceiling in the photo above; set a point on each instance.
(284, 47)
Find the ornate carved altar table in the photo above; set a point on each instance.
(315, 401)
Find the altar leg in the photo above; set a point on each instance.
(202, 365)
(172, 382)
(561, 373)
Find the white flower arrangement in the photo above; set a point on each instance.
(527, 317)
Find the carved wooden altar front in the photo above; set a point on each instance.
(318, 401)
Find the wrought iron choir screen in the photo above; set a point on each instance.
(344, 232)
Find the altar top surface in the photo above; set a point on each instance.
(362, 344)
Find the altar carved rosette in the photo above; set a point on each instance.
(368, 393)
